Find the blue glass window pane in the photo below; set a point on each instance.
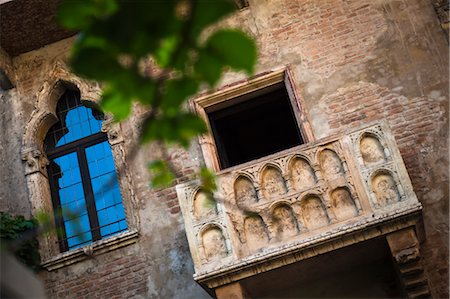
(79, 122)
(66, 172)
(78, 231)
(108, 201)
(76, 121)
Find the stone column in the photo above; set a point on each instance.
(36, 174)
(405, 250)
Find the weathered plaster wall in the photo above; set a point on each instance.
(158, 265)
(353, 61)
(13, 197)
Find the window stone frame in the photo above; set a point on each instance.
(35, 167)
(229, 93)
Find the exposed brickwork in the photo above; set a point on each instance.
(415, 123)
(122, 277)
(392, 48)
(322, 34)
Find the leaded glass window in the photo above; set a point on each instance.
(83, 181)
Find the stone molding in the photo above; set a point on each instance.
(35, 162)
(271, 210)
(261, 81)
(405, 250)
(87, 251)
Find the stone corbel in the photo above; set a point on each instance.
(113, 131)
(405, 250)
(35, 161)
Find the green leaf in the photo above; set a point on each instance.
(189, 126)
(166, 49)
(208, 67)
(74, 14)
(162, 176)
(95, 63)
(234, 48)
(147, 23)
(91, 41)
(116, 103)
(208, 180)
(207, 12)
(176, 92)
(174, 129)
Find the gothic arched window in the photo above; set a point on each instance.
(83, 182)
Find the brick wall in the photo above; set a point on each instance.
(352, 61)
(117, 277)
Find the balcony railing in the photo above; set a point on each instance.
(285, 207)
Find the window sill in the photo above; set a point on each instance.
(98, 247)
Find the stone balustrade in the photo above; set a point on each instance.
(279, 206)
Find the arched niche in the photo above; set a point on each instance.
(204, 206)
(344, 206)
(302, 174)
(255, 232)
(214, 243)
(371, 150)
(285, 221)
(330, 163)
(244, 191)
(385, 189)
(313, 212)
(272, 183)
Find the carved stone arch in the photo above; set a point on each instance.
(343, 203)
(284, 219)
(59, 80)
(272, 181)
(331, 162)
(244, 189)
(212, 240)
(299, 156)
(385, 187)
(256, 232)
(314, 211)
(41, 120)
(371, 148)
(301, 172)
(200, 205)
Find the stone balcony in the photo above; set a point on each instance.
(298, 203)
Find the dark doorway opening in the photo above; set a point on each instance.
(254, 126)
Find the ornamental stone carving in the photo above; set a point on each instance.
(302, 174)
(343, 204)
(385, 189)
(214, 243)
(285, 221)
(314, 213)
(284, 207)
(272, 183)
(371, 150)
(204, 206)
(255, 232)
(244, 191)
(330, 163)
(35, 161)
(113, 131)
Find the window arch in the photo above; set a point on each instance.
(83, 181)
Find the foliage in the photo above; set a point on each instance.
(12, 228)
(118, 41)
